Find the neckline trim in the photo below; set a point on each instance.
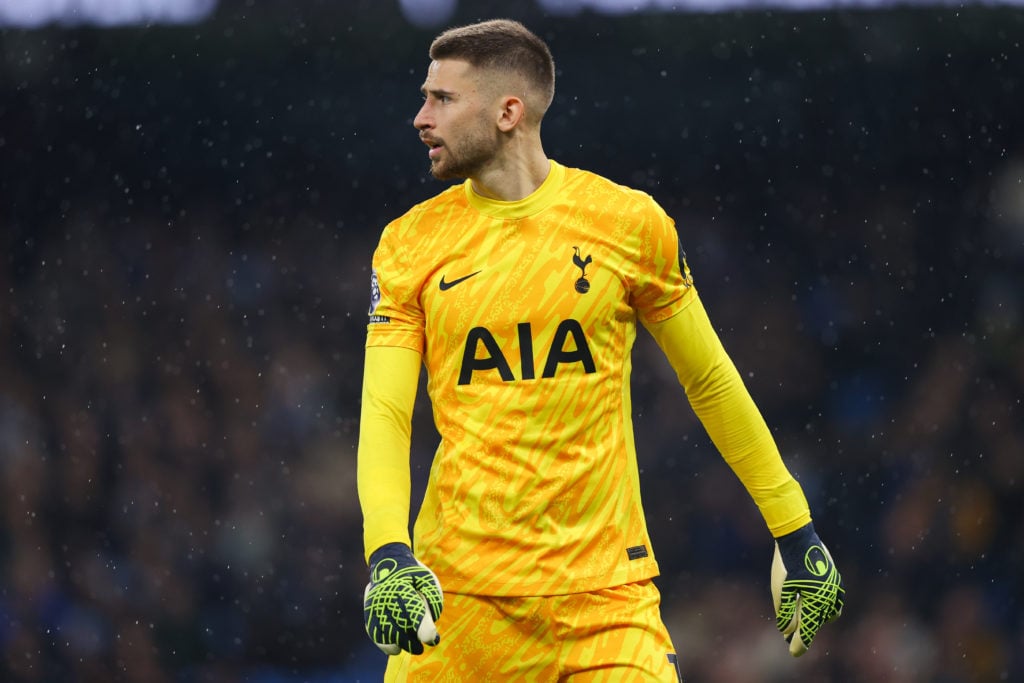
(530, 205)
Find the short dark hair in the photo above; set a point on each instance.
(503, 45)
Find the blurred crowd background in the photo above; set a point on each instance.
(187, 216)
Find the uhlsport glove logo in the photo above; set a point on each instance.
(806, 587)
(401, 602)
(816, 561)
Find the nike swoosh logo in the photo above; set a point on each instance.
(445, 286)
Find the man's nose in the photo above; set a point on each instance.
(423, 119)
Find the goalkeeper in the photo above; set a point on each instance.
(520, 290)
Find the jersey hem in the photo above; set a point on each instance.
(547, 588)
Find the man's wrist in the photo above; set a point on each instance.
(799, 540)
(390, 550)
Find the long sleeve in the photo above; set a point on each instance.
(724, 406)
(390, 379)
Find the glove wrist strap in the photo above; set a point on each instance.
(396, 550)
(799, 540)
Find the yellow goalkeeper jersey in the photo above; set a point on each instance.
(525, 315)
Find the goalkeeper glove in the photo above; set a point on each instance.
(401, 601)
(806, 587)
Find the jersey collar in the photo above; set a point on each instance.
(530, 205)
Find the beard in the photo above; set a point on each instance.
(467, 157)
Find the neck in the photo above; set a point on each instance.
(512, 177)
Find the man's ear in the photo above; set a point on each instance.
(511, 114)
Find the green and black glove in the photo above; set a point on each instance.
(401, 602)
(806, 587)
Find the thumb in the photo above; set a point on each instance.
(427, 631)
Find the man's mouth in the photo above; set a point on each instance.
(434, 145)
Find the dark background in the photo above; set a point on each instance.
(187, 216)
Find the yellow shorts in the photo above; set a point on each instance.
(615, 634)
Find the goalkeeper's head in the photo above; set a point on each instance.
(507, 56)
